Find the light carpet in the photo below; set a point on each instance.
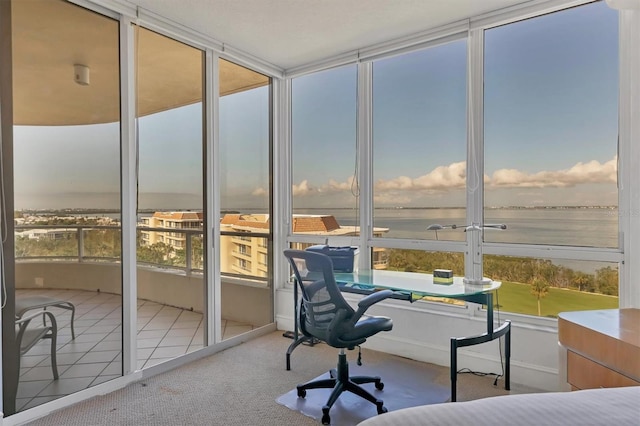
(239, 387)
(406, 384)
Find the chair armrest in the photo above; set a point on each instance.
(23, 322)
(375, 297)
(369, 300)
(31, 316)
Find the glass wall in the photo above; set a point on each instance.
(66, 161)
(324, 167)
(551, 143)
(170, 253)
(245, 194)
(549, 156)
(419, 142)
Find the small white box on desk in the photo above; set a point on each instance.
(443, 276)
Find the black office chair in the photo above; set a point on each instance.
(325, 315)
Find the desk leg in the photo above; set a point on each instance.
(507, 355)
(460, 342)
(454, 367)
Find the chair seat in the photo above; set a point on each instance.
(30, 337)
(27, 303)
(368, 326)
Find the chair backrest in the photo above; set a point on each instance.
(323, 309)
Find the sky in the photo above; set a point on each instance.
(551, 86)
(550, 125)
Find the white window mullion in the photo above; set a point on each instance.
(475, 149)
(129, 181)
(282, 180)
(629, 155)
(365, 158)
(213, 283)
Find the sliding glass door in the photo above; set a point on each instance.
(65, 207)
(171, 215)
(245, 193)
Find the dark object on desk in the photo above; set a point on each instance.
(27, 303)
(345, 259)
(442, 276)
(325, 315)
(27, 335)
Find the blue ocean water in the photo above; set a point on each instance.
(590, 227)
(582, 227)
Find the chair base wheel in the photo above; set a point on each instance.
(326, 420)
(381, 409)
(379, 385)
(301, 392)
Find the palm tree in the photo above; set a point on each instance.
(584, 282)
(539, 288)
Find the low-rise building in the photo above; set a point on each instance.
(247, 255)
(173, 220)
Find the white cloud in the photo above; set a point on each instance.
(259, 192)
(335, 186)
(439, 179)
(302, 189)
(581, 173)
(443, 179)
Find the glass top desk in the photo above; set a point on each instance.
(411, 286)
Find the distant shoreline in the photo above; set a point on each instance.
(463, 208)
(111, 211)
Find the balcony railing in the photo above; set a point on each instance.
(75, 243)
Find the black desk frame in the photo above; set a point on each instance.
(456, 342)
(491, 334)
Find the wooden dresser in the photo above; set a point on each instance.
(602, 348)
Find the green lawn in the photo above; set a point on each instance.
(516, 297)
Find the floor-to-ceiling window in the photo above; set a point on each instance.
(325, 192)
(66, 161)
(537, 118)
(68, 194)
(550, 160)
(245, 194)
(170, 198)
(419, 155)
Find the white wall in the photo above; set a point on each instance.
(242, 302)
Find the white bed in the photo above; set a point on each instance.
(612, 406)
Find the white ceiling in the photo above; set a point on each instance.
(291, 33)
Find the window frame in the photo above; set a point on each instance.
(473, 30)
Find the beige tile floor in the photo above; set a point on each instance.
(95, 356)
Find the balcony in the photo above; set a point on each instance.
(170, 310)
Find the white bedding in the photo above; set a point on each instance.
(613, 406)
